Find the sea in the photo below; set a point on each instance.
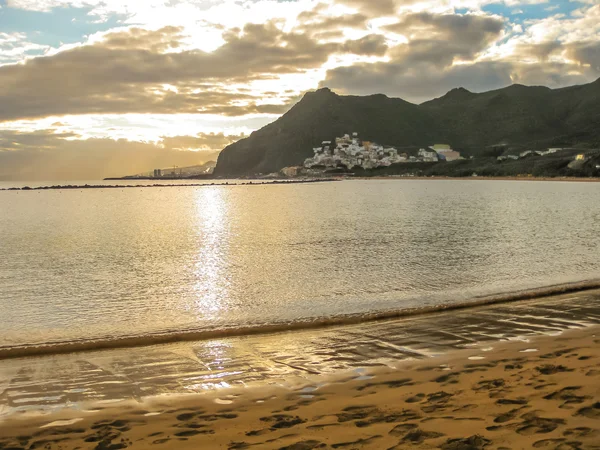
(86, 266)
(188, 288)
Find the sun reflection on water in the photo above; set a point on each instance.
(210, 282)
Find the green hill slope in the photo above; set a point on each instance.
(518, 115)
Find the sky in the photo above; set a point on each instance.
(96, 88)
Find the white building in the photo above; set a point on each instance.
(428, 156)
(350, 152)
(445, 152)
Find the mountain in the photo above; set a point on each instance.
(518, 115)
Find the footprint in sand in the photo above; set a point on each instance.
(189, 433)
(357, 443)
(419, 436)
(279, 421)
(533, 424)
(494, 386)
(305, 445)
(402, 429)
(391, 384)
(567, 395)
(508, 416)
(550, 369)
(547, 443)
(591, 412)
(450, 378)
(415, 398)
(508, 401)
(582, 432)
(475, 442)
(557, 354)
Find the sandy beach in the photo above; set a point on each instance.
(538, 394)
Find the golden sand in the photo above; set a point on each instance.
(523, 395)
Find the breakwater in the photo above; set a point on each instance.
(121, 186)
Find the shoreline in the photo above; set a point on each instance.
(481, 178)
(71, 380)
(529, 394)
(46, 349)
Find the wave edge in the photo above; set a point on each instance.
(32, 350)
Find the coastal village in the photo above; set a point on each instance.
(351, 152)
(348, 154)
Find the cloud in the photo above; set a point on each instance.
(540, 51)
(443, 37)
(155, 41)
(586, 53)
(48, 155)
(15, 47)
(416, 82)
(445, 51)
(421, 82)
(372, 44)
(202, 141)
(315, 19)
(234, 64)
(374, 8)
(145, 71)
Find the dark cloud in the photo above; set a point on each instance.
(126, 72)
(375, 8)
(313, 22)
(373, 44)
(444, 37)
(462, 28)
(421, 82)
(587, 53)
(157, 41)
(541, 51)
(551, 74)
(425, 67)
(47, 155)
(416, 82)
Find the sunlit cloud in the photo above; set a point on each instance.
(164, 71)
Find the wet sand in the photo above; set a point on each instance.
(54, 383)
(539, 394)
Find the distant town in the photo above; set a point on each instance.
(348, 155)
(173, 173)
(351, 152)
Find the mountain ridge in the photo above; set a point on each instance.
(522, 116)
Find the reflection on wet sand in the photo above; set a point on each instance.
(59, 381)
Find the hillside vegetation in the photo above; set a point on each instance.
(519, 116)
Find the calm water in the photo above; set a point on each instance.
(94, 264)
